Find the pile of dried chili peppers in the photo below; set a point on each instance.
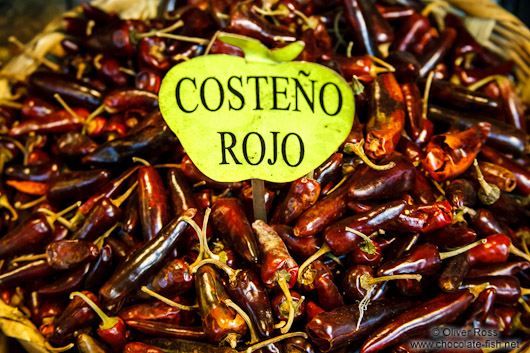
(113, 241)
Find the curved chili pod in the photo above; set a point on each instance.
(507, 288)
(522, 175)
(147, 259)
(430, 58)
(157, 311)
(172, 279)
(67, 254)
(153, 203)
(386, 116)
(338, 328)
(193, 174)
(410, 32)
(31, 237)
(69, 187)
(74, 92)
(165, 329)
(126, 98)
(100, 219)
(231, 223)
(101, 269)
(28, 272)
(460, 193)
(302, 194)
(303, 247)
(360, 26)
(454, 273)
(67, 283)
(444, 308)
(218, 319)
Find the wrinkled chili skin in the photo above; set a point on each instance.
(386, 116)
(67, 254)
(218, 319)
(153, 203)
(454, 273)
(174, 278)
(247, 291)
(450, 154)
(230, 221)
(454, 235)
(148, 258)
(522, 175)
(422, 259)
(342, 241)
(337, 328)
(302, 194)
(444, 308)
(158, 311)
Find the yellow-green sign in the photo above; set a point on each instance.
(240, 120)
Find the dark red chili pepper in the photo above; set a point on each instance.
(148, 143)
(498, 269)
(511, 103)
(444, 308)
(342, 241)
(36, 108)
(362, 67)
(329, 173)
(194, 175)
(181, 346)
(298, 345)
(423, 259)
(496, 249)
(108, 69)
(231, 223)
(450, 154)
(116, 38)
(387, 116)
(312, 310)
(68, 282)
(302, 194)
(329, 296)
(338, 328)
(509, 211)
(301, 247)
(108, 190)
(485, 223)
(383, 184)
(355, 286)
(74, 145)
(152, 52)
(148, 258)
(220, 322)
(522, 175)
(148, 80)
(451, 236)
(41, 173)
(56, 122)
(422, 192)
(411, 150)
(503, 137)
(410, 32)
(158, 311)
(31, 237)
(247, 291)
(280, 306)
(112, 329)
(67, 254)
(125, 99)
(453, 273)
(101, 218)
(508, 288)
(172, 279)
(219, 47)
(100, 270)
(77, 315)
(397, 12)
(367, 253)
(152, 198)
(30, 271)
(406, 66)
(460, 193)
(439, 50)
(494, 174)
(245, 195)
(245, 22)
(482, 306)
(361, 27)
(70, 187)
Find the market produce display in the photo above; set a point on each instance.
(114, 241)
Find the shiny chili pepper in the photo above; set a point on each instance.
(507, 288)
(450, 154)
(522, 175)
(30, 237)
(362, 67)
(498, 269)
(503, 137)
(280, 306)
(485, 223)
(108, 69)
(422, 192)
(74, 145)
(158, 311)
(145, 143)
(27, 272)
(231, 223)
(411, 150)
(68, 282)
(147, 259)
(439, 50)
(312, 310)
(220, 322)
(460, 193)
(125, 99)
(245, 195)
(397, 12)
(116, 38)
(153, 204)
(70, 187)
(406, 66)
(341, 240)
(494, 174)
(410, 32)
(34, 107)
(183, 346)
(454, 273)
(100, 270)
(74, 92)
(509, 211)
(360, 27)
(139, 347)
(56, 122)
(194, 175)
(298, 345)
(423, 259)
(67, 254)
(169, 330)
(387, 116)
(355, 287)
(383, 184)
(42, 172)
(496, 249)
(174, 278)
(328, 173)
(111, 330)
(453, 235)
(130, 223)
(338, 328)
(302, 247)
(302, 194)
(148, 79)
(77, 315)
(101, 218)
(443, 308)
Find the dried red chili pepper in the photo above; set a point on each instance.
(496, 249)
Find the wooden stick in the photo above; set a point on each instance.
(258, 199)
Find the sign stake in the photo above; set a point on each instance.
(258, 199)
